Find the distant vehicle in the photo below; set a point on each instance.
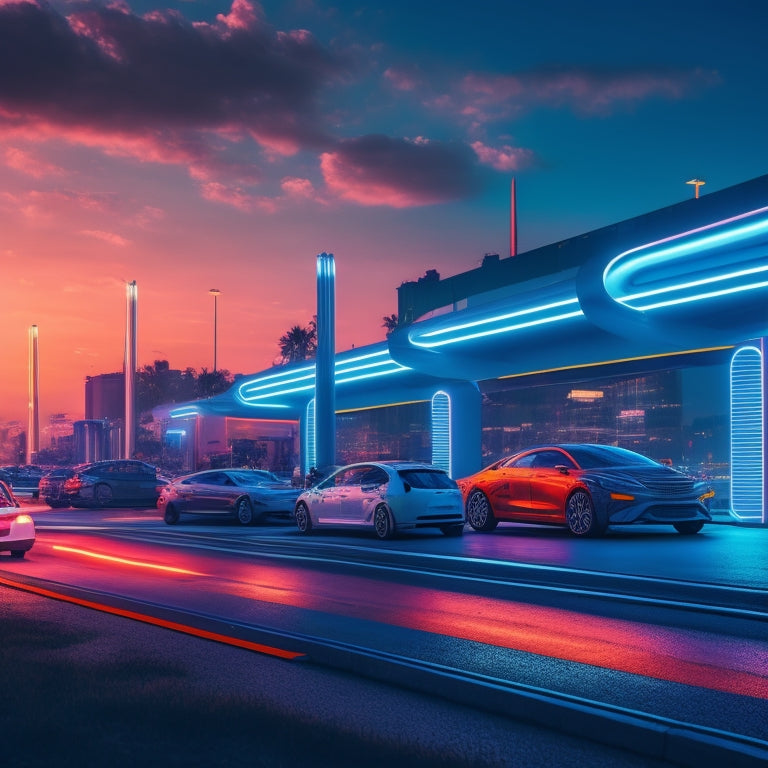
(121, 482)
(24, 477)
(51, 488)
(248, 495)
(385, 497)
(17, 529)
(586, 488)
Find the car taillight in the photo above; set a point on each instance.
(24, 519)
(73, 484)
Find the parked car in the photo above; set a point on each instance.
(17, 529)
(125, 482)
(23, 478)
(248, 495)
(51, 488)
(386, 497)
(586, 488)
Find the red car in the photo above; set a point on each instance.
(586, 488)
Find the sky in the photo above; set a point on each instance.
(226, 143)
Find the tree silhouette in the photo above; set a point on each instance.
(390, 323)
(298, 343)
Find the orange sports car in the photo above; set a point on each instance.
(586, 488)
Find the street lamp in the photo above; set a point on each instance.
(696, 183)
(215, 292)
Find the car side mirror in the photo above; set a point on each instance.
(562, 469)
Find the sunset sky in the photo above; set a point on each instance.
(198, 145)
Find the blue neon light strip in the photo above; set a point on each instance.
(666, 266)
(310, 451)
(366, 366)
(747, 440)
(496, 324)
(184, 413)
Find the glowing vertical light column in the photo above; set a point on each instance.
(441, 431)
(310, 456)
(325, 383)
(129, 368)
(747, 434)
(33, 425)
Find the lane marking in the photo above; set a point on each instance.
(147, 619)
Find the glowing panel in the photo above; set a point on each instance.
(441, 431)
(747, 439)
(720, 259)
(184, 413)
(348, 369)
(310, 454)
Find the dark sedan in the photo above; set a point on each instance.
(51, 489)
(585, 488)
(248, 495)
(111, 483)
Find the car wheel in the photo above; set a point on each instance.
(244, 511)
(102, 493)
(17, 553)
(171, 515)
(480, 513)
(303, 520)
(689, 527)
(453, 530)
(382, 523)
(580, 515)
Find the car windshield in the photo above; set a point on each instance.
(427, 478)
(598, 456)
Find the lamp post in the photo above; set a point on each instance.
(696, 183)
(215, 292)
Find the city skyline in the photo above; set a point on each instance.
(191, 146)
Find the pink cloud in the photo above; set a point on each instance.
(30, 164)
(107, 237)
(504, 159)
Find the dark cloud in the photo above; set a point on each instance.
(377, 170)
(108, 68)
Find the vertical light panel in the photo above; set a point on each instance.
(310, 452)
(441, 431)
(747, 438)
(33, 431)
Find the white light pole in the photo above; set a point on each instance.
(216, 293)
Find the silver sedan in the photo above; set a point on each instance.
(247, 495)
(385, 497)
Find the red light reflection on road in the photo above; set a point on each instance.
(690, 657)
(123, 560)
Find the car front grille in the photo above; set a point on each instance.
(670, 487)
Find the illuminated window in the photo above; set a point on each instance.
(747, 434)
(441, 431)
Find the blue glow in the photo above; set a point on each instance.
(310, 452)
(366, 366)
(181, 432)
(495, 324)
(441, 431)
(666, 267)
(184, 413)
(747, 445)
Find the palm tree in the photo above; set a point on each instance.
(298, 344)
(390, 323)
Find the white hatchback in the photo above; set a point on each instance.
(384, 496)
(17, 529)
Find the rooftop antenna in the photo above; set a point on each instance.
(696, 183)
